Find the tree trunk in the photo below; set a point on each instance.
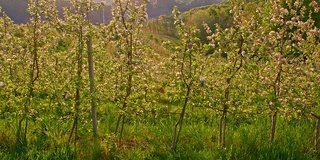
(129, 83)
(74, 129)
(317, 135)
(180, 121)
(222, 127)
(317, 132)
(273, 125)
(118, 123)
(121, 116)
(122, 127)
(78, 86)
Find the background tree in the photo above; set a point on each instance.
(190, 63)
(231, 51)
(125, 34)
(34, 71)
(77, 21)
(283, 36)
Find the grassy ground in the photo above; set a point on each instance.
(148, 136)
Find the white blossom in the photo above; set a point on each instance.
(2, 84)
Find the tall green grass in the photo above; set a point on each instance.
(149, 137)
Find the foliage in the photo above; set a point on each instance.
(259, 66)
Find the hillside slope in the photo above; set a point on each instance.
(16, 9)
(209, 14)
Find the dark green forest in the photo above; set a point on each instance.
(159, 79)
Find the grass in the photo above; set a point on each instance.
(147, 137)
